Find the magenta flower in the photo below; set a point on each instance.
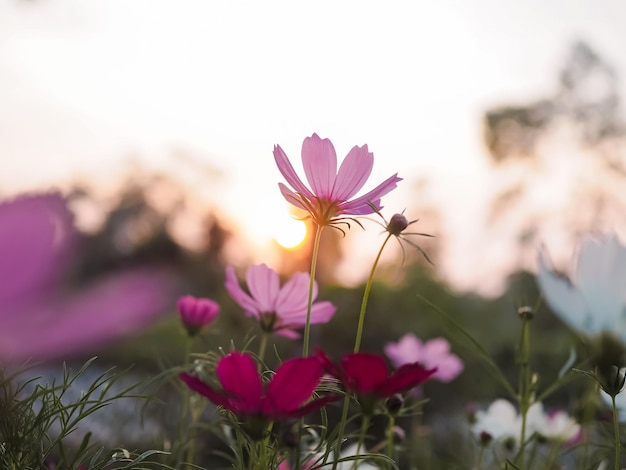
(287, 395)
(196, 313)
(42, 317)
(432, 353)
(328, 200)
(367, 376)
(278, 309)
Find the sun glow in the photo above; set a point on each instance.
(289, 232)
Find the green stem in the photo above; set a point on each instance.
(366, 294)
(187, 420)
(618, 450)
(365, 424)
(481, 456)
(524, 385)
(314, 256)
(262, 348)
(342, 428)
(390, 446)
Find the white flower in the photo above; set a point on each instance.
(594, 300)
(502, 422)
(499, 421)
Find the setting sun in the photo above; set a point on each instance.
(289, 232)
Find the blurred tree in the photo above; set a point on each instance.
(587, 98)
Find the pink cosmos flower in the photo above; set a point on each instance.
(278, 309)
(243, 392)
(196, 313)
(330, 193)
(366, 375)
(42, 318)
(432, 353)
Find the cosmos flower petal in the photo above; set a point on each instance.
(287, 332)
(353, 173)
(288, 172)
(405, 378)
(239, 377)
(291, 197)
(293, 384)
(364, 372)
(101, 311)
(321, 312)
(564, 298)
(198, 386)
(319, 160)
(36, 233)
(601, 278)
(288, 304)
(250, 306)
(313, 406)
(360, 206)
(408, 349)
(264, 286)
(448, 368)
(294, 295)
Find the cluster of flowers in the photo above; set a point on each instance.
(266, 410)
(258, 399)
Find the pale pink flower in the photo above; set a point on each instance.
(329, 198)
(434, 353)
(278, 309)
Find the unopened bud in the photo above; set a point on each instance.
(196, 313)
(397, 224)
(526, 312)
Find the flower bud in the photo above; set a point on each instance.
(397, 224)
(394, 404)
(196, 313)
(526, 312)
(609, 360)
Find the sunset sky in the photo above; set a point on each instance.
(86, 84)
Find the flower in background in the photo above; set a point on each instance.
(41, 317)
(558, 426)
(367, 376)
(434, 353)
(287, 395)
(502, 422)
(594, 300)
(329, 198)
(196, 313)
(499, 422)
(278, 309)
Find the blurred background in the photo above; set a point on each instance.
(156, 122)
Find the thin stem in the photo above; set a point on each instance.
(262, 348)
(618, 450)
(314, 256)
(186, 420)
(342, 429)
(481, 456)
(524, 384)
(390, 446)
(365, 424)
(366, 294)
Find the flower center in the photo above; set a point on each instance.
(268, 321)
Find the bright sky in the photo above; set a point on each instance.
(86, 83)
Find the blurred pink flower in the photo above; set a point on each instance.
(432, 353)
(329, 197)
(278, 309)
(42, 318)
(196, 313)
